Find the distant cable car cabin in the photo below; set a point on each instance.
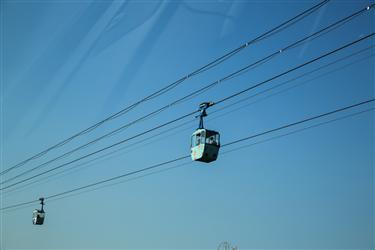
(205, 143)
(39, 214)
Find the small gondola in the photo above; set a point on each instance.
(39, 214)
(205, 144)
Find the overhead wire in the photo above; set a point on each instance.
(339, 23)
(184, 116)
(269, 33)
(299, 122)
(293, 69)
(27, 204)
(100, 150)
(303, 129)
(250, 97)
(110, 154)
(198, 92)
(302, 76)
(191, 162)
(223, 153)
(167, 88)
(285, 126)
(259, 93)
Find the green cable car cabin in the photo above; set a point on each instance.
(39, 214)
(205, 144)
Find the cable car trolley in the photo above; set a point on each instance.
(39, 214)
(205, 143)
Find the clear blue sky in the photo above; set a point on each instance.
(68, 64)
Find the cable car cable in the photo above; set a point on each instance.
(167, 88)
(200, 91)
(236, 73)
(190, 162)
(100, 150)
(184, 116)
(224, 153)
(233, 150)
(249, 97)
(256, 94)
(224, 145)
(109, 154)
(288, 125)
(319, 33)
(299, 122)
(299, 77)
(295, 68)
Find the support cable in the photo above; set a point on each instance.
(187, 156)
(169, 87)
(197, 92)
(191, 113)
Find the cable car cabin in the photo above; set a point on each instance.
(38, 217)
(205, 145)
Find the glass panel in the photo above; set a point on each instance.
(203, 134)
(213, 140)
(203, 137)
(198, 140)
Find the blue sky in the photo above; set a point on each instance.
(67, 65)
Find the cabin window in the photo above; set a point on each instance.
(213, 139)
(196, 140)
